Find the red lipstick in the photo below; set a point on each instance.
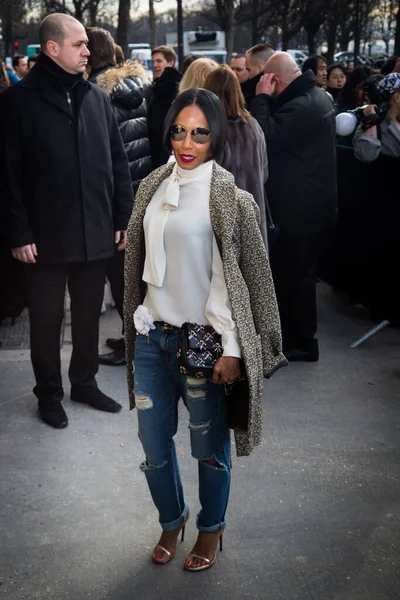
(187, 158)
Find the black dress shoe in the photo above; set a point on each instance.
(116, 344)
(296, 355)
(52, 413)
(116, 358)
(96, 399)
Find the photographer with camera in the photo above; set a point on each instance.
(379, 129)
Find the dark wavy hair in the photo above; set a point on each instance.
(213, 110)
(347, 98)
(389, 65)
(312, 63)
(371, 90)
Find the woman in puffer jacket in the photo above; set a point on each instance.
(127, 87)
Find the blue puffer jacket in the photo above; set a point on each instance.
(127, 88)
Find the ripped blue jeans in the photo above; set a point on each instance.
(158, 387)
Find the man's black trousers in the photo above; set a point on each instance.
(294, 263)
(46, 291)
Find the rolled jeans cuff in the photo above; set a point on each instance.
(178, 522)
(211, 529)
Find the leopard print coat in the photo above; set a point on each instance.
(235, 221)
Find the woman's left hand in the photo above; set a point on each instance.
(226, 369)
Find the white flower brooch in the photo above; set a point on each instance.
(143, 320)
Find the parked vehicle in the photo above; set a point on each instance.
(32, 49)
(299, 56)
(345, 57)
(142, 53)
(208, 43)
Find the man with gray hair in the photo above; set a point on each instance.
(67, 200)
(255, 60)
(298, 120)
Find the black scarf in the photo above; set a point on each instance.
(73, 85)
(57, 75)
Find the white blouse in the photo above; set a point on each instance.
(183, 267)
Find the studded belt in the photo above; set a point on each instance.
(166, 326)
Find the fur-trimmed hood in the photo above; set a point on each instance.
(111, 78)
(124, 85)
(126, 88)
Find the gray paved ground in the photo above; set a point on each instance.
(314, 512)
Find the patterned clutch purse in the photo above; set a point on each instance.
(200, 348)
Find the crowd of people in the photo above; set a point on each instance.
(376, 88)
(20, 67)
(166, 188)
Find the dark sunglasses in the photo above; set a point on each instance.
(200, 135)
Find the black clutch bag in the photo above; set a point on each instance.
(200, 348)
(237, 402)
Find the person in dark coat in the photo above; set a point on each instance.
(302, 191)
(67, 200)
(125, 87)
(165, 89)
(256, 58)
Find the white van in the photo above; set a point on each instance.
(208, 43)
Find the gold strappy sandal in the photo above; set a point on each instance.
(209, 563)
(168, 552)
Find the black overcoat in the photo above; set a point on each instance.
(165, 90)
(300, 132)
(65, 178)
